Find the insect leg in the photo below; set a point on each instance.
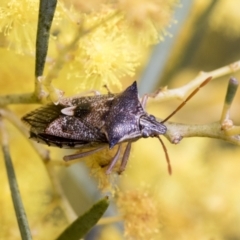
(125, 158)
(83, 154)
(114, 160)
(105, 86)
(144, 101)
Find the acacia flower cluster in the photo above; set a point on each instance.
(112, 50)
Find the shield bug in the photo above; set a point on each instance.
(99, 121)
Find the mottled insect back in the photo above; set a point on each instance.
(92, 122)
(95, 122)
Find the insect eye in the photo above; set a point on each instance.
(152, 117)
(145, 133)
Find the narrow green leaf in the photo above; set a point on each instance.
(16, 197)
(45, 17)
(84, 223)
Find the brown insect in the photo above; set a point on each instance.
(99, 121)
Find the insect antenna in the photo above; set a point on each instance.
(166, 156)
(175, 111)
(187, 99)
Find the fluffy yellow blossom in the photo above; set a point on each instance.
(18, 20)
(98, 164)
(140, 213)
(148, 19)
(105, 55)
(157, 11)
(115, 48)
(18, 23)
(118, 36)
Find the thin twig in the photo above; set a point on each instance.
(177, 131)
(223, 129)
(58, 192)
(202, 76)
(26, 98)
(11, 117)
(44, 155)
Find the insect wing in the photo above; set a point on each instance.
(40, 118)
(50, 126)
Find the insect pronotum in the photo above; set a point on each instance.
(99, 121)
